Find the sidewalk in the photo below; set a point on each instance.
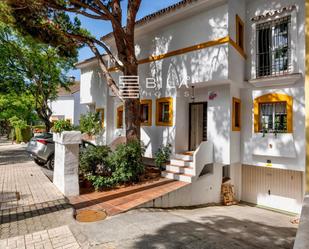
(33, 213)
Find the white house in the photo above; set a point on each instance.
(229, 77)
(67, 106)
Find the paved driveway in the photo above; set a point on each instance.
(40, 218)
(211, 227)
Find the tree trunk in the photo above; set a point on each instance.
(132, 109)
(132, 119)
(47, 125)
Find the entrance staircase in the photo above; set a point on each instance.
(187, 166)
(181, 167)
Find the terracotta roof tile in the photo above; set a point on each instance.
(73, 89)
(159, 13)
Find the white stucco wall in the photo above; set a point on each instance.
(259, 7)
(64, 106)
(282, 161)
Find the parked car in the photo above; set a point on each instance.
(42, 149)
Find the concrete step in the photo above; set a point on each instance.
(180, 169)
(177, 176)
(179, 162)
(188, 153)
(183, 157)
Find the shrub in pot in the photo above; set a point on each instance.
(162, 156)
(90, 124)
(62, 125)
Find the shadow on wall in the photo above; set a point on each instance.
(219, 232)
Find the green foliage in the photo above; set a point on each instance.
(32, 69)
(162, 155)
(90, 123)
(17, 122)
(124, 165)
(93, 160)
(62, 125)
(127, 161)
(23, 134)
(19, 105)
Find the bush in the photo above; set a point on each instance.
(90, 123)
(93, 160)
(62, 125)
(21, 132)
(162, 155)
(125, 163)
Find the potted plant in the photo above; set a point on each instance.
(63, 133)
(90, 125)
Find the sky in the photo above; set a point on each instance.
(100, 28)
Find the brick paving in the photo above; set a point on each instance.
(22, 183)
(121, 200)
(33, 213)
(60, 238)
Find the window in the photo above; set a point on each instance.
(101, 116)
(120, 117)
(240, 33)
(146, 112)
(273, 113)
(164, 112)
(236, 120)
(273, 117)
(273, 47)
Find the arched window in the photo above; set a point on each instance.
(273, 113)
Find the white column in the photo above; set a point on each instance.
(67, 162)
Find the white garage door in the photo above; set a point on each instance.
(275, 188)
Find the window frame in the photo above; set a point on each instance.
(118, 125)
(147, 102)
(240, 22)
(168, 100)
(101, 111)
(234, 127)
(273, 98)
(272, 50)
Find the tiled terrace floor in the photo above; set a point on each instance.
(123, 199)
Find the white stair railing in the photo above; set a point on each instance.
(202, 156)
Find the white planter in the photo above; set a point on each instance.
(67, 137)
(67, 162)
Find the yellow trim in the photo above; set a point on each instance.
(101, 111)
(240, 22)
(272, 98)
(118, 124)
(307, 95)
(234, 127)
(149, 103)
(170, 117)
(224, 40)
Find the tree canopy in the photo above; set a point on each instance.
(32, 68)
(49, 22)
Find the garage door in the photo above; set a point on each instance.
(275, 188)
